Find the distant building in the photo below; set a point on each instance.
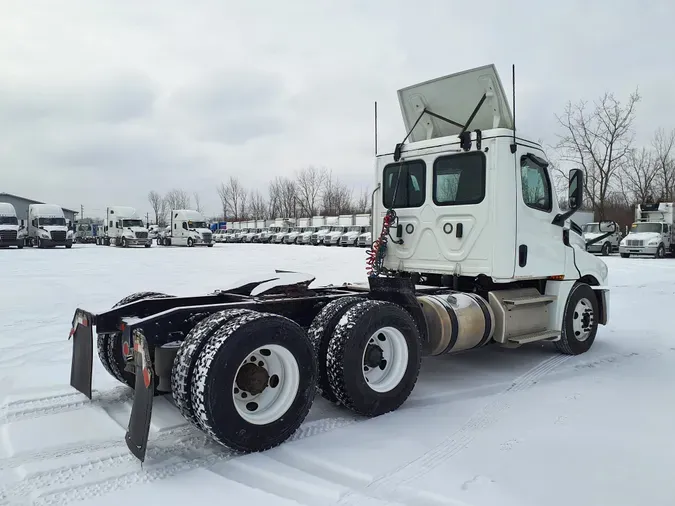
(21, 205)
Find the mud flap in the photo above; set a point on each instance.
(83, 351)
(144, 391)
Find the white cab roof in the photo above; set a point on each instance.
(187, 214)
(46, 210)
(454, 97)
(123, 212)
(7, 209)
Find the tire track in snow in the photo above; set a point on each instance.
(386, 485)
(43, 406)
(122, 470)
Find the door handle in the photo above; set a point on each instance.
(522, 255)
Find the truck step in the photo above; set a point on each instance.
(536, 336)
(526, 301)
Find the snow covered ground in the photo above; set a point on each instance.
(491, 427)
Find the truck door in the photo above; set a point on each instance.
(540, 250)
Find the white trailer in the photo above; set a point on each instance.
(318, 221)
(124, 227)
(188, 228)
(652, 232)
(478, 253)
(9, 227)
(47, 227)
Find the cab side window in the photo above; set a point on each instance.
(536, 185)
(405, 180)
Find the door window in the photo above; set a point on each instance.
(535, 183)
(459, 179)
(410, 190)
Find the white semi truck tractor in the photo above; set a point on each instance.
(124, 227)
(47, 227)
(188, 228)
(471, 250)
(10, 232)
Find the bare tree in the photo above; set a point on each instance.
(257, 206)
(663, 144)
(198, 206)
(177, 199)
(284, 192)
(309, 183)
(363, 204)
(233, 198)
(599, 141)
(157, 204)
(638, 177)
(274, 200)
(336, 197)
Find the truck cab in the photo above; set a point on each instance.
(189, 228)
(606, 244)
(9, 227)
(47, 227)
(475, 204)
(652, 232)
(352, 234)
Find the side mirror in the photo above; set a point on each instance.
(576, 189)
(607, 227)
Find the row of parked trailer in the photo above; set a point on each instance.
(343, 230)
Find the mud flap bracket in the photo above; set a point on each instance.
(83, 351)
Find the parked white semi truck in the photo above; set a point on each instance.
(652, 232)
(47, 227)
(123, 227)
(9, 227)
(469, 253)
(188, 228)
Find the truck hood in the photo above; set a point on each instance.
(643, 236)
(205, 230)
(351, 235)
(134, 230)
(589, 236)
(54, 228)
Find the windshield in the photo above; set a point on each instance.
(646, 227)
(8, 220)
(592, 228)
(355, 229)
(338, 229)
(84, 227)
(132, 223)
(52, 221)
(197, 224)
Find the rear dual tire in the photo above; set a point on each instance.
(369, 355)
(247, 379)
(110, 345)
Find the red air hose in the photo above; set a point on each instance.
(376, 253)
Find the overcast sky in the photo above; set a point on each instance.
(102, 101)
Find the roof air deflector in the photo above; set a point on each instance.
(451, 100)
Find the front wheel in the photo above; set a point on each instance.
(660, 251)
(606, 249)
(580, 321)
(190, 242)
